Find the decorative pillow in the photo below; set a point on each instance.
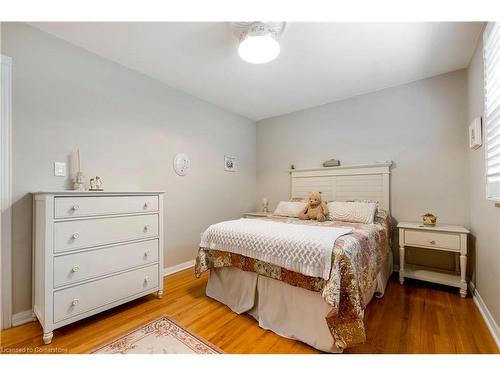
(290, 209)
(353, 212)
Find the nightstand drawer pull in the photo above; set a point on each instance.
(432, 242)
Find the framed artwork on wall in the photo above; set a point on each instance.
(230, 163)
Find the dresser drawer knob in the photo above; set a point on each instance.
(75, 236)
(75, 302)
(75, 207)
(432, 242)
(75, 268)
(146, 253)
(146, 205)
(146, 280)
(146, 228)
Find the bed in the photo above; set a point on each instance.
(290, 294)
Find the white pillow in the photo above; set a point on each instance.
(290, 209)
(353, 212)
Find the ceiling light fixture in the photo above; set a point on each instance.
(259, 41)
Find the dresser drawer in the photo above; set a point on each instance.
(94, 206)
(80, 299)
(99, 262)
(78, 234)
(449, 241)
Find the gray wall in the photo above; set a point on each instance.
(420, 126)
(484, 214)
(128, 128)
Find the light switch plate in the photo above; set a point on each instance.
(59, 169)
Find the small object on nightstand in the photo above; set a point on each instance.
(265, 205)
(429, 219)
(250, 215)
(451, 238)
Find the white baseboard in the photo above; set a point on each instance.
(488, 318)
(22, 318)
(179, 267)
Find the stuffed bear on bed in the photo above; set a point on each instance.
(315, 209)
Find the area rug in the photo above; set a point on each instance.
(162, 336)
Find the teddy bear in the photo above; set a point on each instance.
(315, 209)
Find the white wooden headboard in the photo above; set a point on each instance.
(364, 181)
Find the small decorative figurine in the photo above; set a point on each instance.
(331, 163)
(265, 205)
(98, 183)
(429, 219)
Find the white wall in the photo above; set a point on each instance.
(420, 126)
(1, 250)
(128, 128)
(484, 214)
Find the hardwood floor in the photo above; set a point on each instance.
(415, 318)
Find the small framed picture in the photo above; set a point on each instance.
(475, 136)
(230, 163)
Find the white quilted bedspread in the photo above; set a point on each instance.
(302, 248)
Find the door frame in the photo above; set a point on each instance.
(6, 191)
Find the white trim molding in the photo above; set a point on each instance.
(177, 268)
(6, 189)
(22, 317)
(488, 318)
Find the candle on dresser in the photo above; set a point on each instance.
(78, 156)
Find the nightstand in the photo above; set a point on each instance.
(249, 215)
(451, 238)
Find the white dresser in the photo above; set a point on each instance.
(93, 251)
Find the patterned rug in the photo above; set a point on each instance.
(161, 336)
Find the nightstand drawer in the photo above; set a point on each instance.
(424, 238)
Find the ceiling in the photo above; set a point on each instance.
(319, 62)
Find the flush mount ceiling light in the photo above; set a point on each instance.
(259, 40)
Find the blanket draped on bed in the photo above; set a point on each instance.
(299, 248)
(355, 263)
